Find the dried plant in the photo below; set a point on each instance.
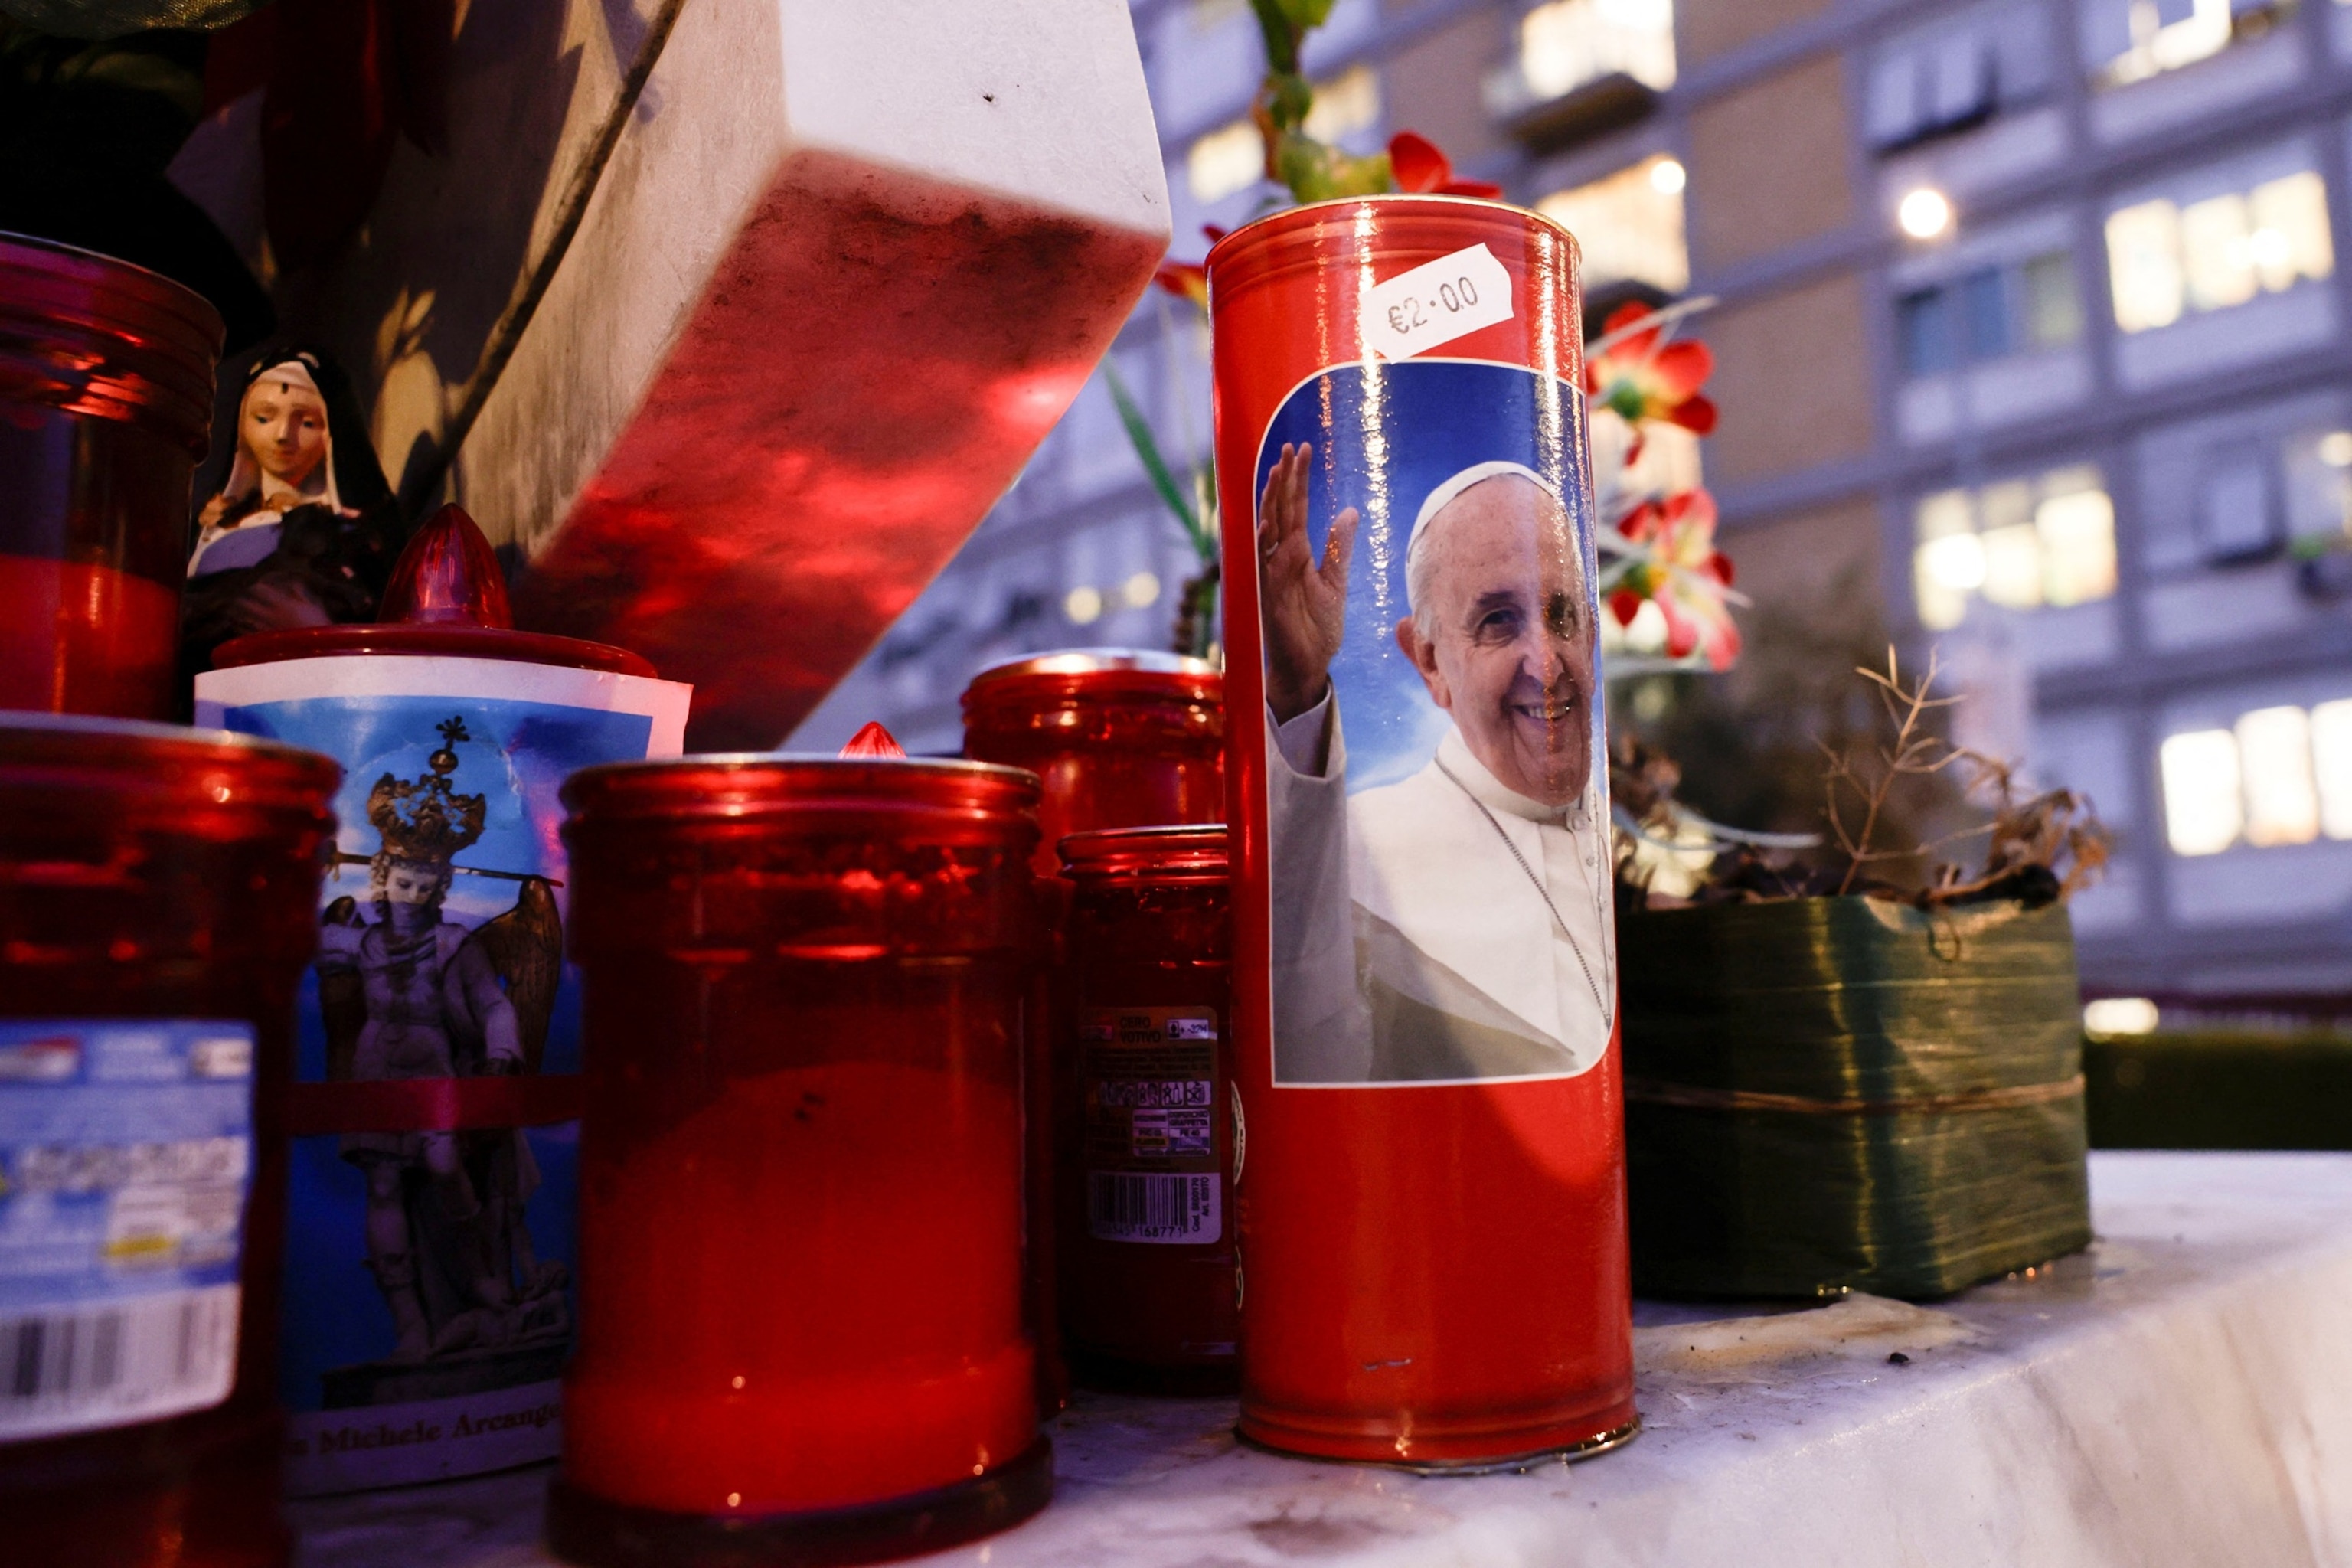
(2040, 847)
(1916, 752)
(2044, 846)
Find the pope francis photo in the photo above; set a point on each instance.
(1455, 924)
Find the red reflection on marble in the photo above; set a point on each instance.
(867, 371)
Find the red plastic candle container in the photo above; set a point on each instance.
(1120, 738)
(106, 403)
(158, 889)
(800, 1327)
(1433, 1202)
(1144, 1114)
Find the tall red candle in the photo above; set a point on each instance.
(157, 896)
(801, 1178)
(106, 386)
(1432, 1200)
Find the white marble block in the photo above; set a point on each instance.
(839, 280)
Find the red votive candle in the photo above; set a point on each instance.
(106, 389)
(1143, 1113)
(158, 891)
(1121, 738)
(800, 1327)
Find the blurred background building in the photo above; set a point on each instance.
(2032, 346)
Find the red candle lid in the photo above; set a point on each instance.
(1076, 675)
(777, 792)
(205, 779)
(446, 596)
(1192, 852)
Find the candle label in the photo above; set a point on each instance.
(429, 1253)
(1436, 302)
(1150, 1086)
(126, 1154)
(1435, 777)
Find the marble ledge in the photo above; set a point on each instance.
(2182, 1393)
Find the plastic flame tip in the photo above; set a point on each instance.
(448, 575)
(874, 740)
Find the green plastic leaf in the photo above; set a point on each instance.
(1146, 450)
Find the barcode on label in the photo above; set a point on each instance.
(77, 1369)
(1152, 1207)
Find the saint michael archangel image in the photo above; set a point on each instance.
(409, 994)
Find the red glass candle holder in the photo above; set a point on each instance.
(106, 403)
(1120, 738)
(158, 896)
(1144, 1114)
(801, 1326)
(1432, 1206)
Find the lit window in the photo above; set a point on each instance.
(2141, 38)
(1629, 226)
(2020, 544)
(2144, 265)
(2331, 762)
(1084, 606)
(1228, 159)
(2202, 810)
(2076, 534)
(1567, 43)
(2219, 252)
(1348, 103)
(2121, 1016)
(1140, 591)
(2282, 801)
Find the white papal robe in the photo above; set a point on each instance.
(1408, 941)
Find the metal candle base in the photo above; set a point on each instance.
(586, 1529)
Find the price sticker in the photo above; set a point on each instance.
(1436, 302)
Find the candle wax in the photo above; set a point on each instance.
(803, 1295)
(80, 638)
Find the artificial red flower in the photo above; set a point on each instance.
(1639, 377)
(1420, 168)
(1185, 279)
(1684, 574)
(1190, 279)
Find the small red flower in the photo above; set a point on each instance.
(1420, 168)
(1185, 279)
(1682, 570)
(1639, 377)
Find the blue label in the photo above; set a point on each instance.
(126, 1157)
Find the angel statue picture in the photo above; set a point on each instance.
(409, 994)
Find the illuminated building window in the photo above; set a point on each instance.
(2127, 41)
(1228, 159)
(1346, 104)
(2164, 259)
(2274, 768)
(2202, 808)
(2020, 544)
(1233, 157)
(1629, 225)
(1990, 313)
(1567, 43)
(2331, 764)
(2280, 776)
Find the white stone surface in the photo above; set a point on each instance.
(2182, 1393)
